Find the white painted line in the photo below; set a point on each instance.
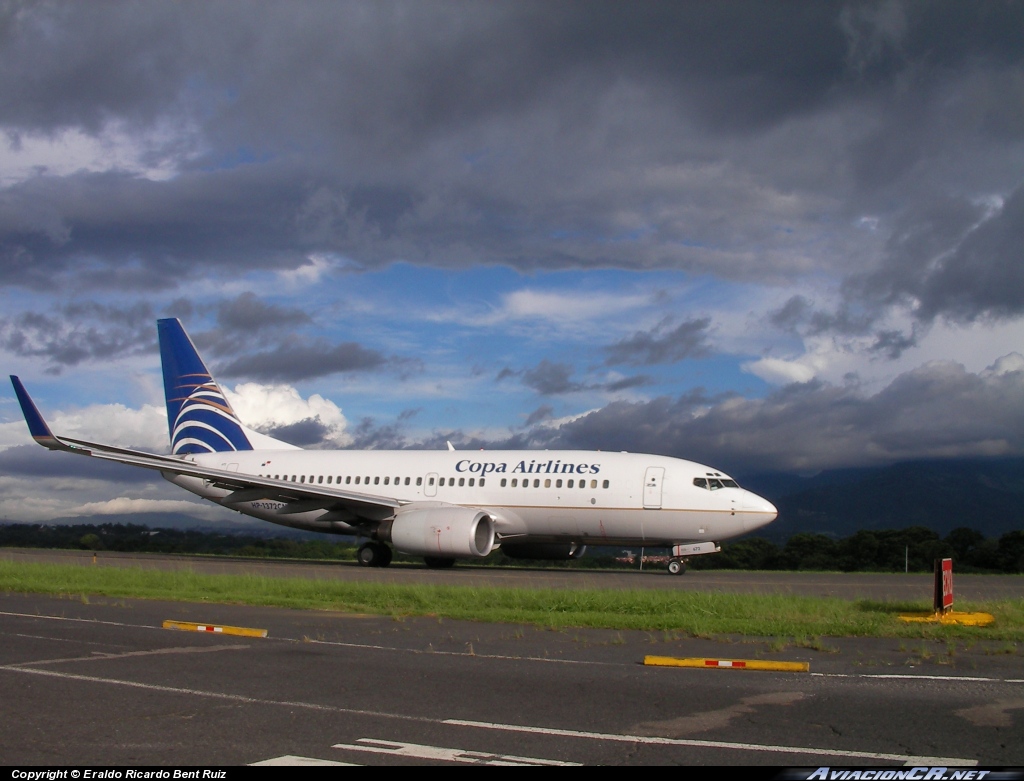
(650, 740)
(289, 760)
(913, 677)
(97, 656)
(495, 726)
(418, 751)
(80, 620)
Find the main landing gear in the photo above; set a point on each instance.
(374, 554)
(676, 566)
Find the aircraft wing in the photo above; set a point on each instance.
(298, 497)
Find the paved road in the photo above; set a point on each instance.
(97, 681)
(857, 585)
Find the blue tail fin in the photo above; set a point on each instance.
(199, 417)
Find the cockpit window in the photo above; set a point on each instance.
(714, 483)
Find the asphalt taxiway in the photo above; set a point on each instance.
(99, 681)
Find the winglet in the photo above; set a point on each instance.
(36, 425)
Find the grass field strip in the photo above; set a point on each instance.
(619, 738)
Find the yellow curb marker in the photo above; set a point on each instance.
(188, 626)
(729, 664)
(950, 617)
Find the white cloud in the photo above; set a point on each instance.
(153, 154)
(266, 407)
(112, 424)
(124, 505)
(779, 372)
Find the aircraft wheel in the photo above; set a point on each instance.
(434, 562)
(368, 555)
(676, 567)
(385, 555)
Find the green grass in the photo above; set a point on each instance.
(701, 614)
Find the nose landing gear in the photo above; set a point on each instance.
(676, 566)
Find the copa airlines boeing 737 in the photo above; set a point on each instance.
(441, 505)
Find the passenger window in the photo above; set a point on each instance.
(504, 482)
(472, 481)
(462, 481)
(605, 484)
(547, 483)
(419, 481)
(536, 482)
(481, 482)
(593, 483)
(407, 481)
(431, 481)
(358, 478)
(376, 481)
(515, 482)
(569, 484)
(348, 479)
(558, 483)
(320, 479)
(387, 481)
(302, 478)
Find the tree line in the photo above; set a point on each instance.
(892, 550)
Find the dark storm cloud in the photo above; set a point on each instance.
(961, 259)
(550, 379)
(816, 425)
(543, 412)
(532, 134)
(78, 332)
(32, 461)
(304, 433)
(659, 345)
(297, 359)
(247, 313)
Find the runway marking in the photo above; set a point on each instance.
(418, 751)
(914, 677)
(802, 750)
(824, 752)
(289, 760)
(97, 655)
(81, 620)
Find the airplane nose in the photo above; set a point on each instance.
(761, 511)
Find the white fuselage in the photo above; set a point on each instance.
(582, 496)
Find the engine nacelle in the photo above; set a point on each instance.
(443, 531)
(548, 551)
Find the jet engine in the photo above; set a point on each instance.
(548, 551)
(442, 531)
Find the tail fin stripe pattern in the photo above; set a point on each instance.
(199, 416)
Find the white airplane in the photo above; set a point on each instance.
(441, 505)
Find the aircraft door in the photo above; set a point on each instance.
(430, 484)
(653, 480)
